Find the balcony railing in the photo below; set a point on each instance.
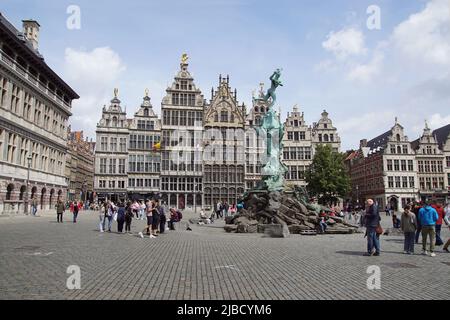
(32, 79)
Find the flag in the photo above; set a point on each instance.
(157, 146)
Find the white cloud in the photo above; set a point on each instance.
(426, 35)
(437, 120)
(93, 74)
(344, 43)
(365, 72)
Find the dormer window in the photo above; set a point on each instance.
(114, 121)
(325, 125)
(146, 112)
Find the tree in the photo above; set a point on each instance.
(327, 178)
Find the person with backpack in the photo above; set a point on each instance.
(179, 216)
(440, 210)
(428, 217)
(128, 218)
(75, 212)
(120, 217)
(173, 219)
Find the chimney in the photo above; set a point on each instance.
(363, 143)
(31, 32)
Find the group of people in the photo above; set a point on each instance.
(123, 214)
(417, 219)
(223, 209)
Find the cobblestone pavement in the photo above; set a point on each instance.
(205, 263)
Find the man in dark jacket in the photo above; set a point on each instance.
(371, 222)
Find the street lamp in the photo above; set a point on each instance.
(357, 194)
(25, 206)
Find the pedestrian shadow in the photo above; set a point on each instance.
(394, 240)
(351, 253)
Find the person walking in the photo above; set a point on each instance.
(447, 222)
(60, 208)
(101, 216)
(128, 218)
(441, 213)
(226, 207)
(142, 210)
(162, 218)
(428, 217)
(120, 217)
(218, 209)
(408, 224)
(75, 212)
(156, 218)
(371, 222)
(34, 206)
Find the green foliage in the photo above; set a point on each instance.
(327, 178)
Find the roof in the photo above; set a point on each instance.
(34, 55)
(442, 134)
(379, 141)
(415, 144)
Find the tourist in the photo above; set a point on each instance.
(110, 214)
(226, 208)
(162, 218)
(428, 217)
(395, 221)
(387, 210)
(371, 222)
(141, 210)
(173, 219)
(156, 218)
(75, 212)
(408, 224)
(128, 217)
(218, 209)
(447, 222)
(101, 215)
(149, 214)
(34, 206)
(415, 210)
(322, 225)
(441, 213)
(120, 217)
(60, 208)
(233, 209)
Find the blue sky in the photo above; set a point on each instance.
(330, 59)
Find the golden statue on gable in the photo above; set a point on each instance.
(184, 58)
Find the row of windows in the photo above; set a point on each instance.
(144, 163)
(431, 183)
(230, 195)
(114, 166)
(400, 165)
(401, 182)
(115, 144)
(16, 149)
(225, 174)
(143, 142)
(111, 184)
(183, 99)
(182, 117)
(325, 137)
(297, 153)
(296, 172)
(427, 166)
(146, 124)
(399, 149)
(141, 183)
(181, 184)
(27, 106)
(296, 135)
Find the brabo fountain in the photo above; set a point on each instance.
(272, 207)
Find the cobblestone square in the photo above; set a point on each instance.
(205, 263)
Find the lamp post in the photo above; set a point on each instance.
(25, 206)
(357, 194)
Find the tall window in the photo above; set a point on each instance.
(102, 165)
(121, 166)
(113, 145)
(112, 166)
(389, 165)
(123, 144)
(224, 116)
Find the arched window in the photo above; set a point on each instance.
(325, 137)
(399, 149)
(398, 137)
(23, 189)
(114, 121)
(43, 191)
(9, 191)
(146, 112)
(52, 193)
(256, 109)
(216, 117)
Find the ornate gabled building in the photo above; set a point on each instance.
(35, 104)
(181, 155)
(144, 158)
(79, 166)
(442, 135)
(111, 153)
(223, 156)
(384, 169)
(254, 144)
(297, 147)
(323, 132)
(430, 165)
